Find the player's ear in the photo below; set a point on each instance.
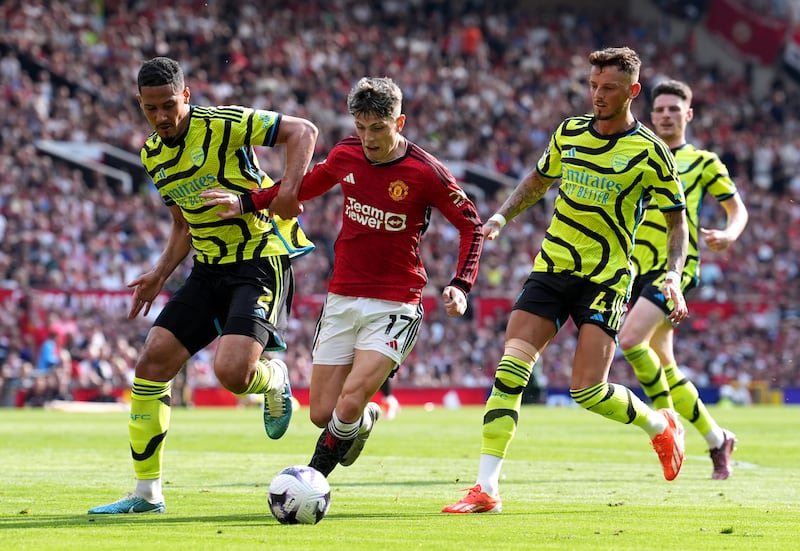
(636, 87)
(401, 122)
(689, 114)
(186, 94)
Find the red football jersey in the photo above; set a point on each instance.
(386, 210)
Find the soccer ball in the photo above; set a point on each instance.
(299, 495)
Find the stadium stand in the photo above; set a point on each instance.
(484, 82)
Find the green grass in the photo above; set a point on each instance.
(572, 480)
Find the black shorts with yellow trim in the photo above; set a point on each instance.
(560, 296)
(251, 298)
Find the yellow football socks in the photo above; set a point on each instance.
(147, 427)
(647, 366)
(613, 401)
(501, 413)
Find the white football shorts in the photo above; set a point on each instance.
(347, 324)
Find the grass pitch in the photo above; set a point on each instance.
(572, 480)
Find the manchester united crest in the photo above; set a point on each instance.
(398, 190)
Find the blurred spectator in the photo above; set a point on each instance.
(105, 393)
(485, 81)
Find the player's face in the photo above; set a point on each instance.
(380, 137)
(612, 92)
(669, 117)
(166, 110)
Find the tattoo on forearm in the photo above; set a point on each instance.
(677, 240)
(527, 193)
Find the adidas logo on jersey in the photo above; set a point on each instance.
(569, 152)
(350, 179)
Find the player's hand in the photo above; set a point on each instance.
(455, 301)
(145, 290)
(231, 206)
(286, 205)
(491, 229)
(717, 240)
(672, 291)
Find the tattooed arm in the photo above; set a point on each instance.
(677, 240)
(528, 191)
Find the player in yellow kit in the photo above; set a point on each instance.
(609, 165)
(241, 284)
(647, 338)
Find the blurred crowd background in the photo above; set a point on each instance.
(485, 83)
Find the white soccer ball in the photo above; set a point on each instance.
(299, 495)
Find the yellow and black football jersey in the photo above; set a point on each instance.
(217, 152)
(606, 183)
(701, 172)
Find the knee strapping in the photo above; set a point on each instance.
(521, 350)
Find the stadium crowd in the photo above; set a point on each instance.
(484, 83)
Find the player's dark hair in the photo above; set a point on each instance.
(378, 96)
(624, 59)
(674, 88)
(160, 71)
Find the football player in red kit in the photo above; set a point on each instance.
(371, 317)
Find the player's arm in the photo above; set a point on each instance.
(462, 213)
(147, 286)
(737, 216)
(532, 188)
(300, 137)
(677, 248)
(314, 184)
(237, 204)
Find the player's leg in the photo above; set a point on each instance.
(334, 344)
(236, 365)
(337, 435)
(161, 359)
(641, 322)
(258, 312)
(598, 312)
(389, 402)
(184, 326)
(341, 395)
(334, 347)
(239, 367)
(368, 367)
(352, 359)
(592, 391)
(526, 336)
(535, 318)
(686, 398)
(501, 412)
(389, 333)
